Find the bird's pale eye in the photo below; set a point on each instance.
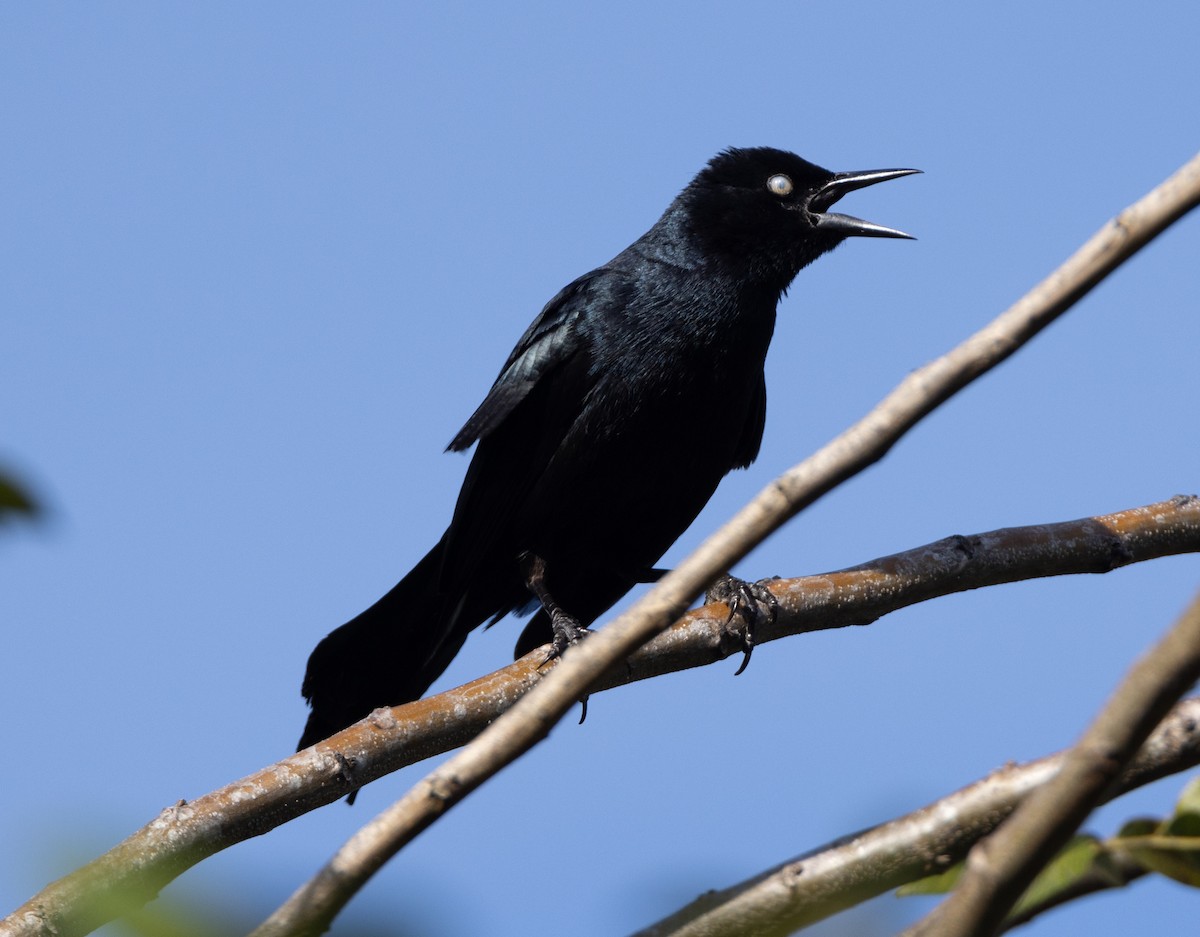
(779, 184)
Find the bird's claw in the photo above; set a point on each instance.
(347, 769)
(749, 601)
(567, 631)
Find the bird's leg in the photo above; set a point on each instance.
(750, 601)
(567, 629)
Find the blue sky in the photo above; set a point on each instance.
(259, 263)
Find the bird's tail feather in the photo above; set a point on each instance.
(386, 656)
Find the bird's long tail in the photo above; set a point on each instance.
(386, 656)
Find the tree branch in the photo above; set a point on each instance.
(854, 868)
(133, 872)
(862, 594)
(314, 905)
(1000, 868)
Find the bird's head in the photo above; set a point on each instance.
(763, 205)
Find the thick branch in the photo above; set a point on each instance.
(855, 868)
(390, 739)
(861, 594)
(313, 906)
(1000, 868)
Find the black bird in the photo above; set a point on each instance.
(634, 391)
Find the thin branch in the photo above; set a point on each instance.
(854, 868)
(1000, 868)
(314, 905)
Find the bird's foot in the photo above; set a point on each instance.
(567, 631)
(347, 771)
(752, 602)
(566, 628)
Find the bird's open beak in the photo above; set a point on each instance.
(846, 225)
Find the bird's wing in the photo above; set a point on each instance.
(752, 432)
(530, 410)
(547, 344)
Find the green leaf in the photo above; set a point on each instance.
(1081, 856)
(1170, 847)
(1186, 820)
(1177, 857)
(939, 884)
(14, 500)
(1141, 826)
